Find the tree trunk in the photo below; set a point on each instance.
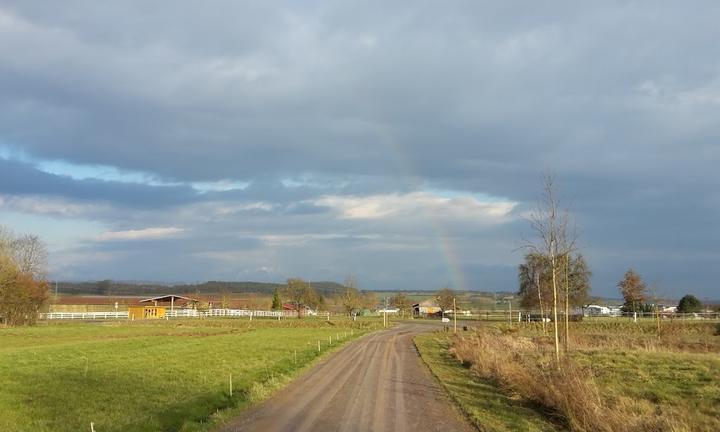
(555, 307)
(567, 303)
(542, 309)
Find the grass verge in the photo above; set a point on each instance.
(485, 405)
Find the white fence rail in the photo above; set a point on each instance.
(193, 313)
(84, 315)
(176, 313)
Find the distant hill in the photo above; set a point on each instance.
(114, 288)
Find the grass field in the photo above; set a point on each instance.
(616, 377)
(152, 376)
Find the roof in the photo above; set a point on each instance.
(170, 297)
(428, 303)
(93, 300)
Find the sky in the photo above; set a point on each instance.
(402, 142)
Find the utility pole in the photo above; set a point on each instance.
(385, 313)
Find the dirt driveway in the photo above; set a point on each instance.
(377, 383)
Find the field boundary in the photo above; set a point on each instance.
(457, 405)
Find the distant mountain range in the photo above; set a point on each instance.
(116, 288)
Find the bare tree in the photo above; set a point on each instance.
(351, 299)
(31, 255)
(402, 302)
(445, 298)
(369, 300)
(555, 239)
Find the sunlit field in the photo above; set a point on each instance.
(153, 376)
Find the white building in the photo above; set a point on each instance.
(595, 310)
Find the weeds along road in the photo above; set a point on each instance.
(377, 383)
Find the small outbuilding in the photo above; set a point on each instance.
(146, 312)
(428, 308)
(169, 300)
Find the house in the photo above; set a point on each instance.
(302, 309)
(427, 308)
(595, 310)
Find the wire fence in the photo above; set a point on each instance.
(579, 315)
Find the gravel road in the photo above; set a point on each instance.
(377, 383)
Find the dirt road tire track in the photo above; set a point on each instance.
(377, 383)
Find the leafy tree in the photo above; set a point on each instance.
(689, 304)
(445, 298)
(312, 298)
(23, 288)
(402, 302)
(276, 302)
(633, 289)
(299, 293)
(535, 282)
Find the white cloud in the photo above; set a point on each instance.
(141, 234)
(50, 206)
(416, 204)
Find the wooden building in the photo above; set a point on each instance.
(146, 312)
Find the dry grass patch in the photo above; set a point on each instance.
(657, 388)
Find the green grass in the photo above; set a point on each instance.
(151, 376)
(487, 407)
(681, 386)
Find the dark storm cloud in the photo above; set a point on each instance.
(349, 99)
(18, 178)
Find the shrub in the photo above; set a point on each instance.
(689, 304)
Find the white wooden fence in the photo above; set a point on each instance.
(192, 313)
(176, 313)
(84, 315)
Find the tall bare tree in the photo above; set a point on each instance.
(555, 238)
(445, 298)
(351, 299)
(402, 302)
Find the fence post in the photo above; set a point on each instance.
(318, 345)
